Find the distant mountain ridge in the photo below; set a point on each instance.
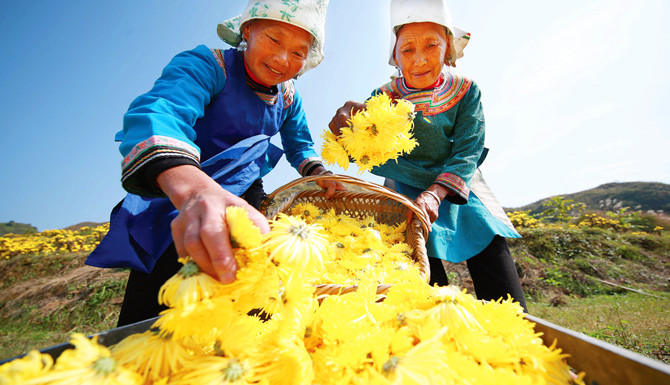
(642, 196)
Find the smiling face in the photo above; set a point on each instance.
(276, 51)
(420, 51)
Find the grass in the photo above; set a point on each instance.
(51, 297)
(636, 322)
(25, 327)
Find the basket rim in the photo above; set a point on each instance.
(373, 187)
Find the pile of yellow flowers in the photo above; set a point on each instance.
(268, 328)
(375, 135)
(360, 249)
(52, 241)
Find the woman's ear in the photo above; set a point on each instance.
(246, 28)
(447, 52)
(245, 31)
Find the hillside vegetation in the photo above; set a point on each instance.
(605, 273)
(12, 227)
(637, 196)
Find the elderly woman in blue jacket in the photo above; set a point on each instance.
(199, 141)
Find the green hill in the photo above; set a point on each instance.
(642, 196)
(16, 228)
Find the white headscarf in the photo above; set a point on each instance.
(309, 15)
(433, 11)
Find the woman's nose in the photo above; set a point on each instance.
(281, 57)
(419, 57)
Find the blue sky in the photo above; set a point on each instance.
(575, 92)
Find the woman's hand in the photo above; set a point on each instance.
(200, 229)
(429, 201)
(343, 114)
(329, 185)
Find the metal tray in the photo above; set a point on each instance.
(604, 363)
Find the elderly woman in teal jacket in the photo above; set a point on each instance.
(441, 175)
(199, 141)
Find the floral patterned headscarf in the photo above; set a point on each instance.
(309, 15)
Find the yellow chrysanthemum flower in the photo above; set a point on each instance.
(293, 243)
(307, 211)
(405, 108)
(188, 286)
(455, 309)
(87, 363)
(256, 287)
(213, 370)
(151, 354)
(297, 304)
(333, 152)
(426, 363)
(243, 232)
(283, 362)
(379, 101)
(32, 365)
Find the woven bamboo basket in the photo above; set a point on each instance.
(383, 204)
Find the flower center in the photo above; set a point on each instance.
(390, 365)
(301, 232)
(189, 269)
(234, 371)
(104, 365)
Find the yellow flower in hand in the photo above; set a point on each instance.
(243, 232)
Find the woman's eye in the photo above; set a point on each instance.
(300, 54)
(273, 39)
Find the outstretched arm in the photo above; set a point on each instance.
(200, 229)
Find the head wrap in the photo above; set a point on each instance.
(309, 15)
(433, 11)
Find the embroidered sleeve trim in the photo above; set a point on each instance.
(218, 55)
(309, 165)
(156, 146)
(455, 184)
(431, 102)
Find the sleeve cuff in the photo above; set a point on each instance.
(459, 191)
(308, 166)
(143, 180)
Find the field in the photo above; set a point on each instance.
(609, 282)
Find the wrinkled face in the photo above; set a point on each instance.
(276, 51)
(420, 51)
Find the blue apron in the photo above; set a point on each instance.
(461, 231)
(234, 138)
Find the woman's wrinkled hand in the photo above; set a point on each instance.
(329, 185)
(200, 229)
(343, 114)
(429, 202)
